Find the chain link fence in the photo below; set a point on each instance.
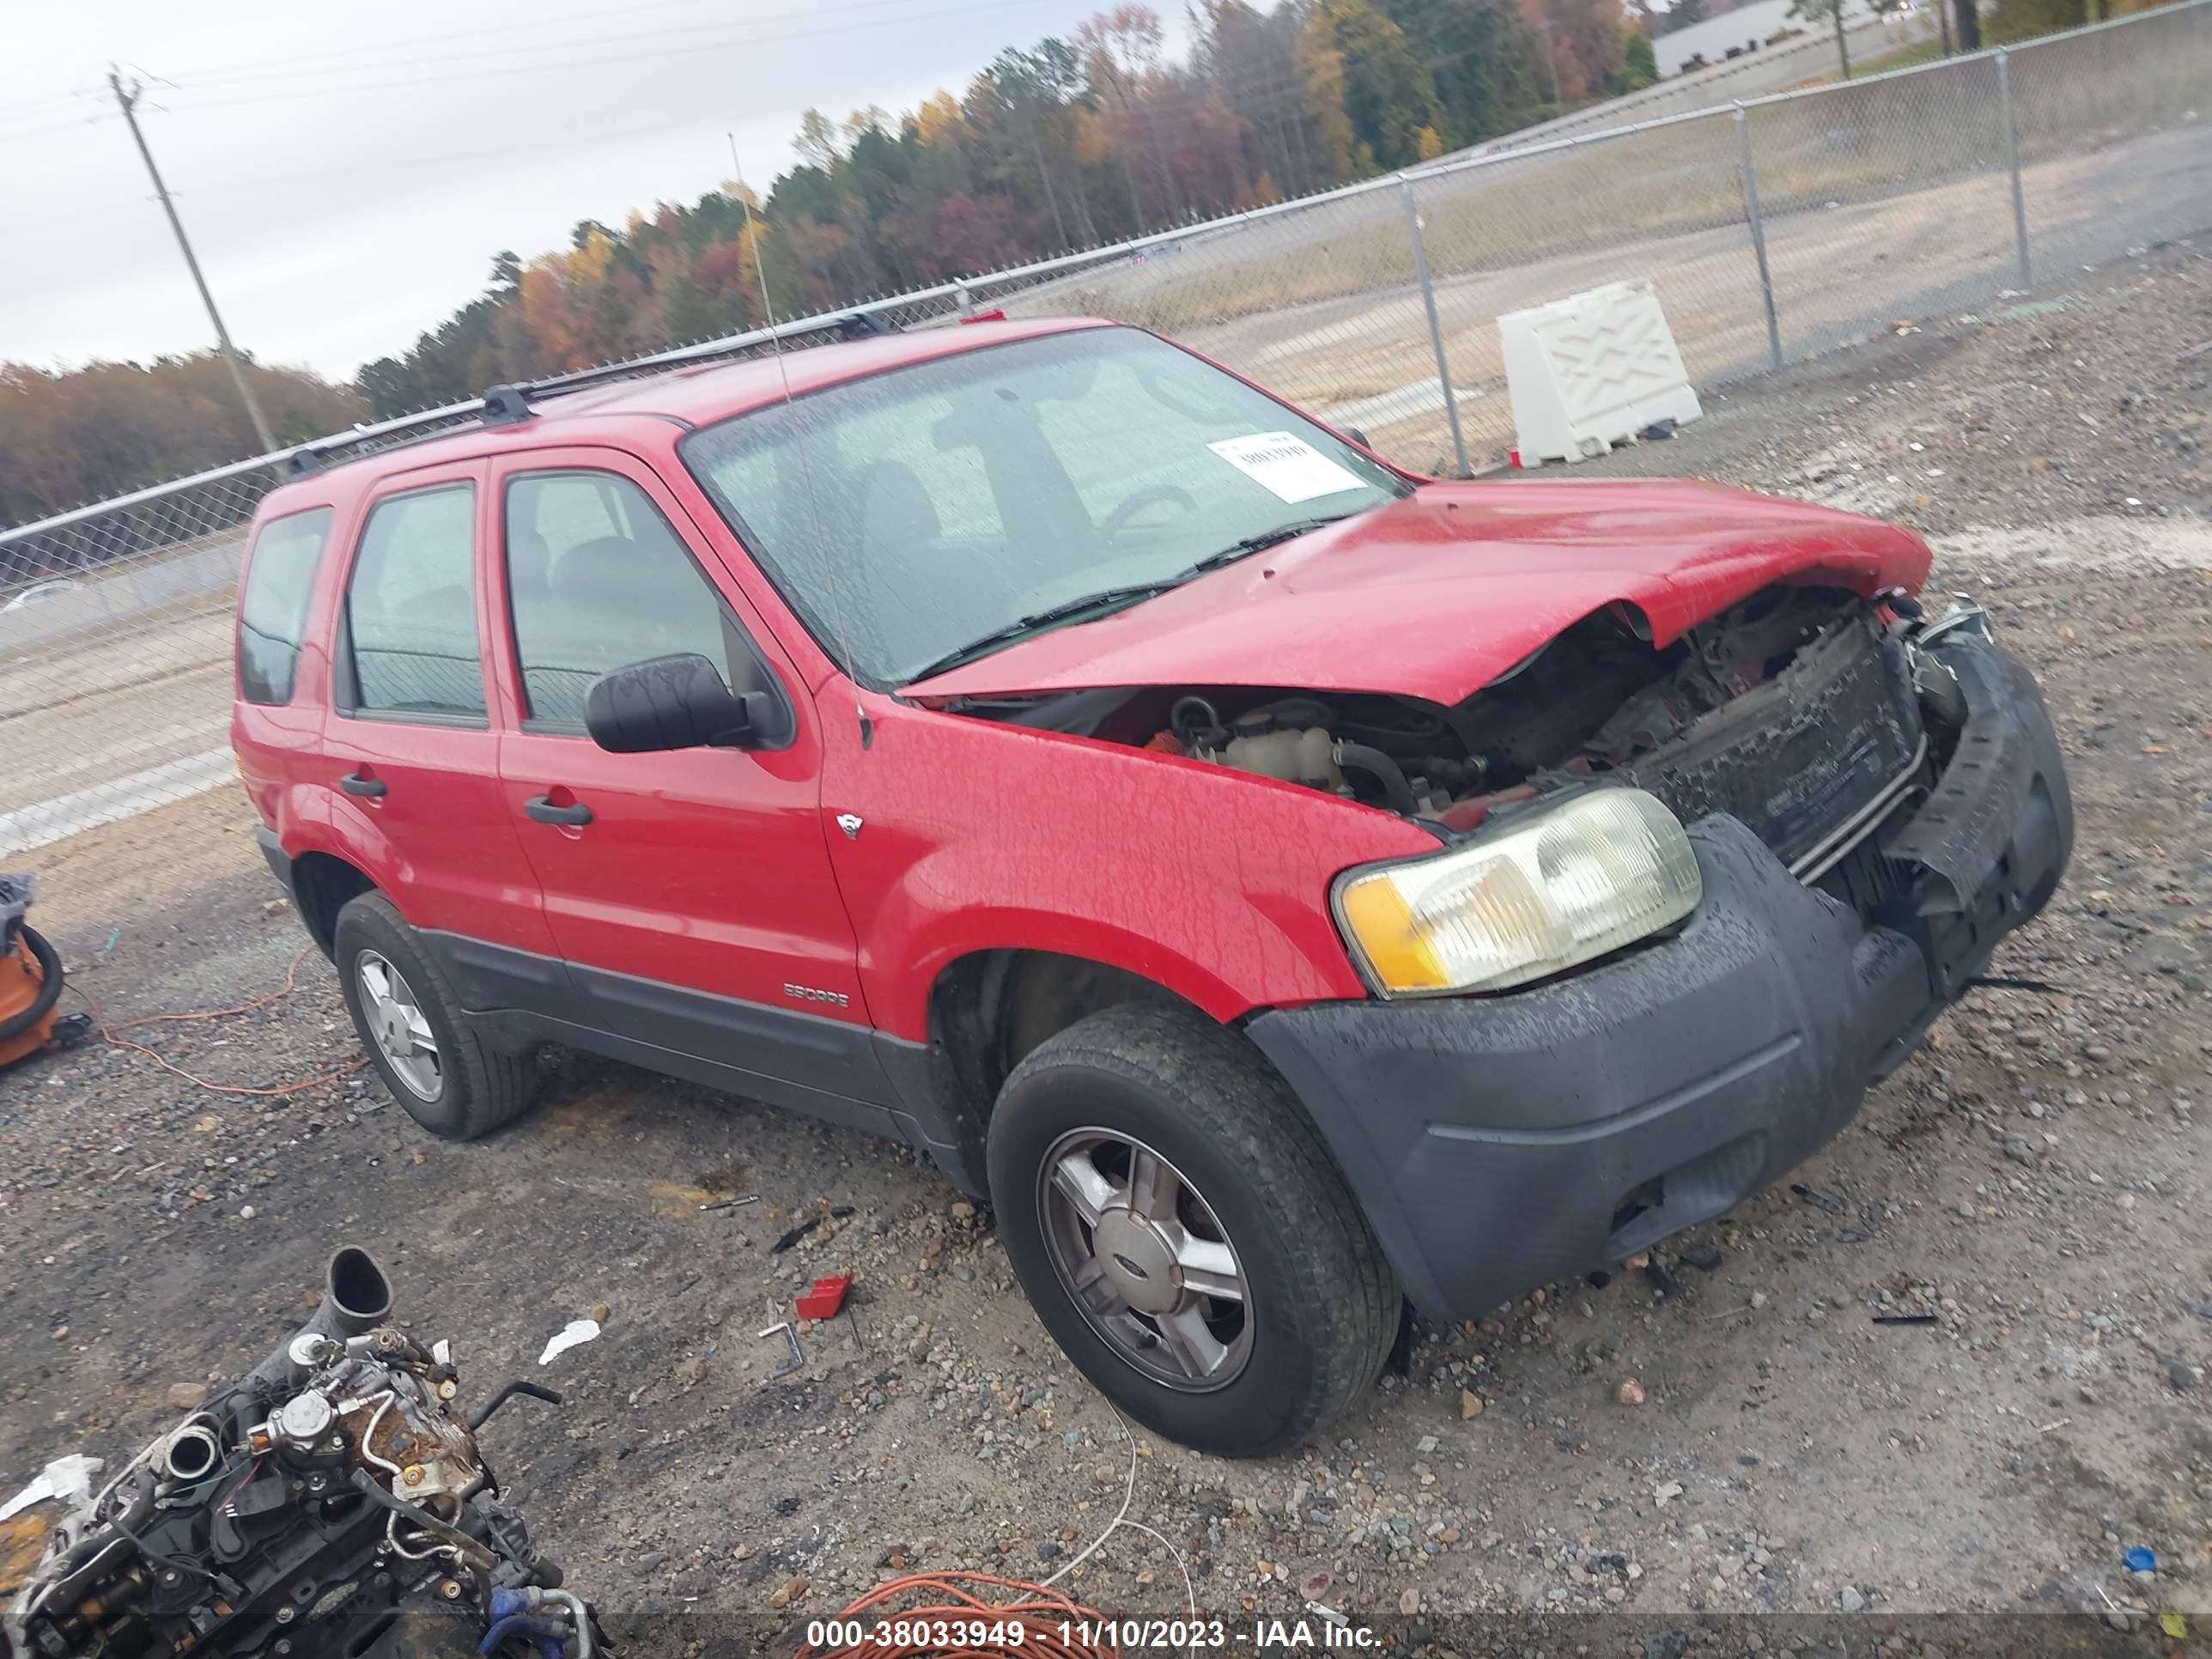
(1773, 227)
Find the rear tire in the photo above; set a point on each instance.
(1089, 1134)
(410, 1024)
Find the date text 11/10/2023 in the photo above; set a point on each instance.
(1330, 1631)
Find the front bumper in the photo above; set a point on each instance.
(1497, 1143)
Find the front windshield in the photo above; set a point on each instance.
(913, 514)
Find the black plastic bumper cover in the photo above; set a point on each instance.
(272, 851)
(1497, 1143)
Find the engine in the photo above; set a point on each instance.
(333, 1503)
(1799, 712)
(1389, 756)
(1596, 699)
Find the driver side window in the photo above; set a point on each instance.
(597, 580)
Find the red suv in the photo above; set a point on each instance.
(1286, 887)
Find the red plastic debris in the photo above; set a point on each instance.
(997, 314)
(826, 1297)
(1513, 458)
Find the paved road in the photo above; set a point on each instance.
(97, 720)
(1771, 69)
(1841, 273)
(205, 571)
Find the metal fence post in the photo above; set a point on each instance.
(1757, 236)
(1436, 329)
(2011, 157)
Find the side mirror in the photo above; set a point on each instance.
(671, 702)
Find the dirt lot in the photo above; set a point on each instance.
(2030, 1183)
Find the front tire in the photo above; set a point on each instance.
(409, 1022)
(1183, 1234)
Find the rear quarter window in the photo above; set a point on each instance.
(280, 576)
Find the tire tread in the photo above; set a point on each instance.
(1232, 1093)
(496, 1087)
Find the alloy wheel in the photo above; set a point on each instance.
(398, 1025)
(1146, 1259)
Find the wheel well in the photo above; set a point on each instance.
(989, 1010)
(321, 884)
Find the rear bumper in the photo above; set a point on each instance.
(1497, 1143)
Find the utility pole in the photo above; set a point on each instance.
(128, 101)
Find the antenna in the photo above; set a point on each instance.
(798, 436)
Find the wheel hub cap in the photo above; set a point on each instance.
(1142, 1256)
(1138, 1262)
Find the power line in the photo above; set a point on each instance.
(410, 52)
(439, 161)
(50, 105)
(71, 124)
(516, 62)
(86, 90)
(531, 26)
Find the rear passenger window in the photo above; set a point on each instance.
(280, 575)
(597, 580)
(411, 607)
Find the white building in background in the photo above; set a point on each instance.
(1715, 36)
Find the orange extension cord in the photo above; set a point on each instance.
(107, 1033)
(943, 1598)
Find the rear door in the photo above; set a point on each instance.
(412, 759)
(690, 892)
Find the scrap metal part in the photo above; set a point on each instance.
(333, 1503)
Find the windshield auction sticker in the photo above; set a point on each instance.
(1288, 467)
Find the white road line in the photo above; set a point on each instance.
(108, 802)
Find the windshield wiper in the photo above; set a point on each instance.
(1085, 608)
(1104, 602)
(1261, 543)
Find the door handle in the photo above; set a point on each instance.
(354, 784)
(542, 808)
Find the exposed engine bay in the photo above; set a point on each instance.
(1796, 711)
(333, 1503)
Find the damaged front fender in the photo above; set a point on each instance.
(2002, 802)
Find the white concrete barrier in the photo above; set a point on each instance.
(1591, 371)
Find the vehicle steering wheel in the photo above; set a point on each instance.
(1118, 520)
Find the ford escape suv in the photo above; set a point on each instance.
(1284, 886)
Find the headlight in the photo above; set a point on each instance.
(1559, 886)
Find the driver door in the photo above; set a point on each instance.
(689, 892)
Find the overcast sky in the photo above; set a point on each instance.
(347, 173)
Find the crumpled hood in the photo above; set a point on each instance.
(1437, 595)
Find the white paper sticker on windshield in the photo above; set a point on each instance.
(1289, 467)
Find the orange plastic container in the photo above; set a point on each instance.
(27, 1001)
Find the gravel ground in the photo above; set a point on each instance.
(2025, 1192)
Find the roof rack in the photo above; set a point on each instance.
(509, 404)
